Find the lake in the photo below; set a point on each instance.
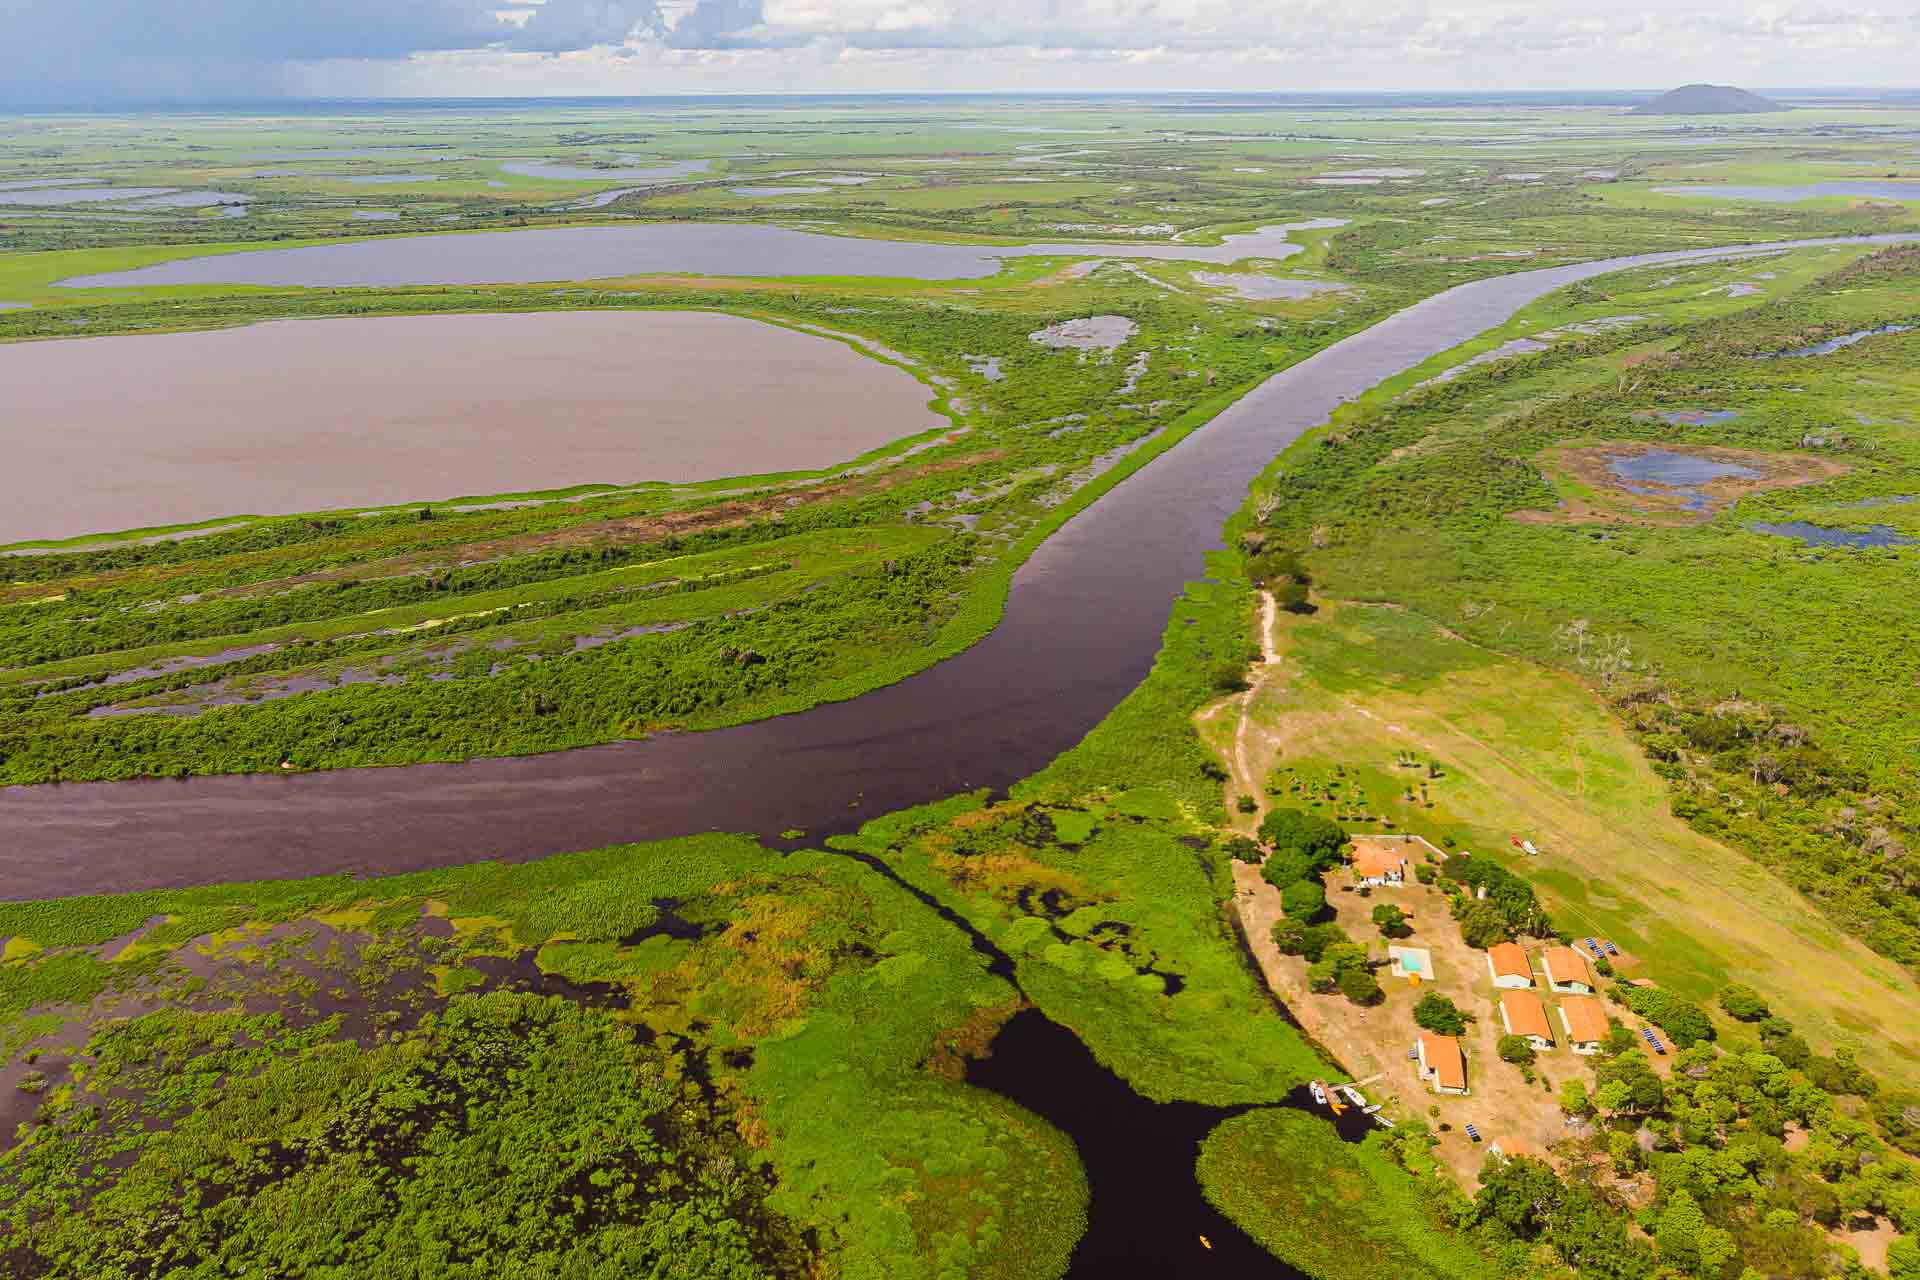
(1857, 189)
(697, 248)
(303, 415)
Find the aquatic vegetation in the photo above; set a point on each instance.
(1335, 1211)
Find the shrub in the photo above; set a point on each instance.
(1743, 1002)
(1685, 1022)
(1230, 677)
(1391, 921)
(1241, 849)
(1436, 1013)
(1516, 1050)
(1247, 804)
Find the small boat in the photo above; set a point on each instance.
(1367, 1111)
(1382, 1121)
(1205, 1243)
(1354, 1095)
(1319, 1092)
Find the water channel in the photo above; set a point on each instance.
(1083, 622)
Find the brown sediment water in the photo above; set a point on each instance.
(1083, 621)
(305, 415)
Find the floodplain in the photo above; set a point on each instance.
(854, 1039)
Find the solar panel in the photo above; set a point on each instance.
(1473, 1133)
(1612, 950)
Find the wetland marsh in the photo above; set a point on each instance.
(977, 995)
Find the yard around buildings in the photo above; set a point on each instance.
(1372, 1043)
(1529, 751)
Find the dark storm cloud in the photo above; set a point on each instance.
(58, 49)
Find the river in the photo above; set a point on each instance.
(1083, 622)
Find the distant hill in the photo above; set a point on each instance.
(1708, 100)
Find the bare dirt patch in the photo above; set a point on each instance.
(1642, 482)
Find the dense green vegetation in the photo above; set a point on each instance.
(743, 1011)
(1336, 1212)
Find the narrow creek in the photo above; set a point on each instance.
(1083, 622)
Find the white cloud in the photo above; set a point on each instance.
(214, 48)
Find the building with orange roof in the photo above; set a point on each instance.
(1522, 1014)
(1585, 1019)
(1568, 972)
(1379, 862)
(1512, 1148)
(1508, 963)
(1442, 1063)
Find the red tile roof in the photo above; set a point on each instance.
(1374, 860)
(1510, 960)
(1443, 1057)
(1525, 1015)
(1586, 1019)
(1564, 964)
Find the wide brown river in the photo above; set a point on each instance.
(1083, 621)
(312, 415)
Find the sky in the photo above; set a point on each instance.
(67, 51)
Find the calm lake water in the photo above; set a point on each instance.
(1083, 622)
(1858, 189)
(591, 253)
(305, 415)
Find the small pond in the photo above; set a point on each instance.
(1815, 535)
(1699, 417)
(1659, 473)
(561, 171)
(1832, 345)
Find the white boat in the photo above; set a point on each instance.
(1367, 1111)
(1382, 1121)
(1354, 1095)
(1319, 1092)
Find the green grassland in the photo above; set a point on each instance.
(1695, 626)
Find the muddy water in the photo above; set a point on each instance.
(303, 415)
(590, 253)
(1083, 622)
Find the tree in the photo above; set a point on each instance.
(1290, 935)
(1241, 849)
(1678, 1235)
(1284, 866)
(1319, 839)
(1391, 921)
(1481, 926)
(1574, 1100)
(1438, 1014)
(1360, 986)
(1592, 1236)
(1515, 1049)
(1520, 1194)
(1303, 900)
(1743, 1002)
(1903, 1259)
